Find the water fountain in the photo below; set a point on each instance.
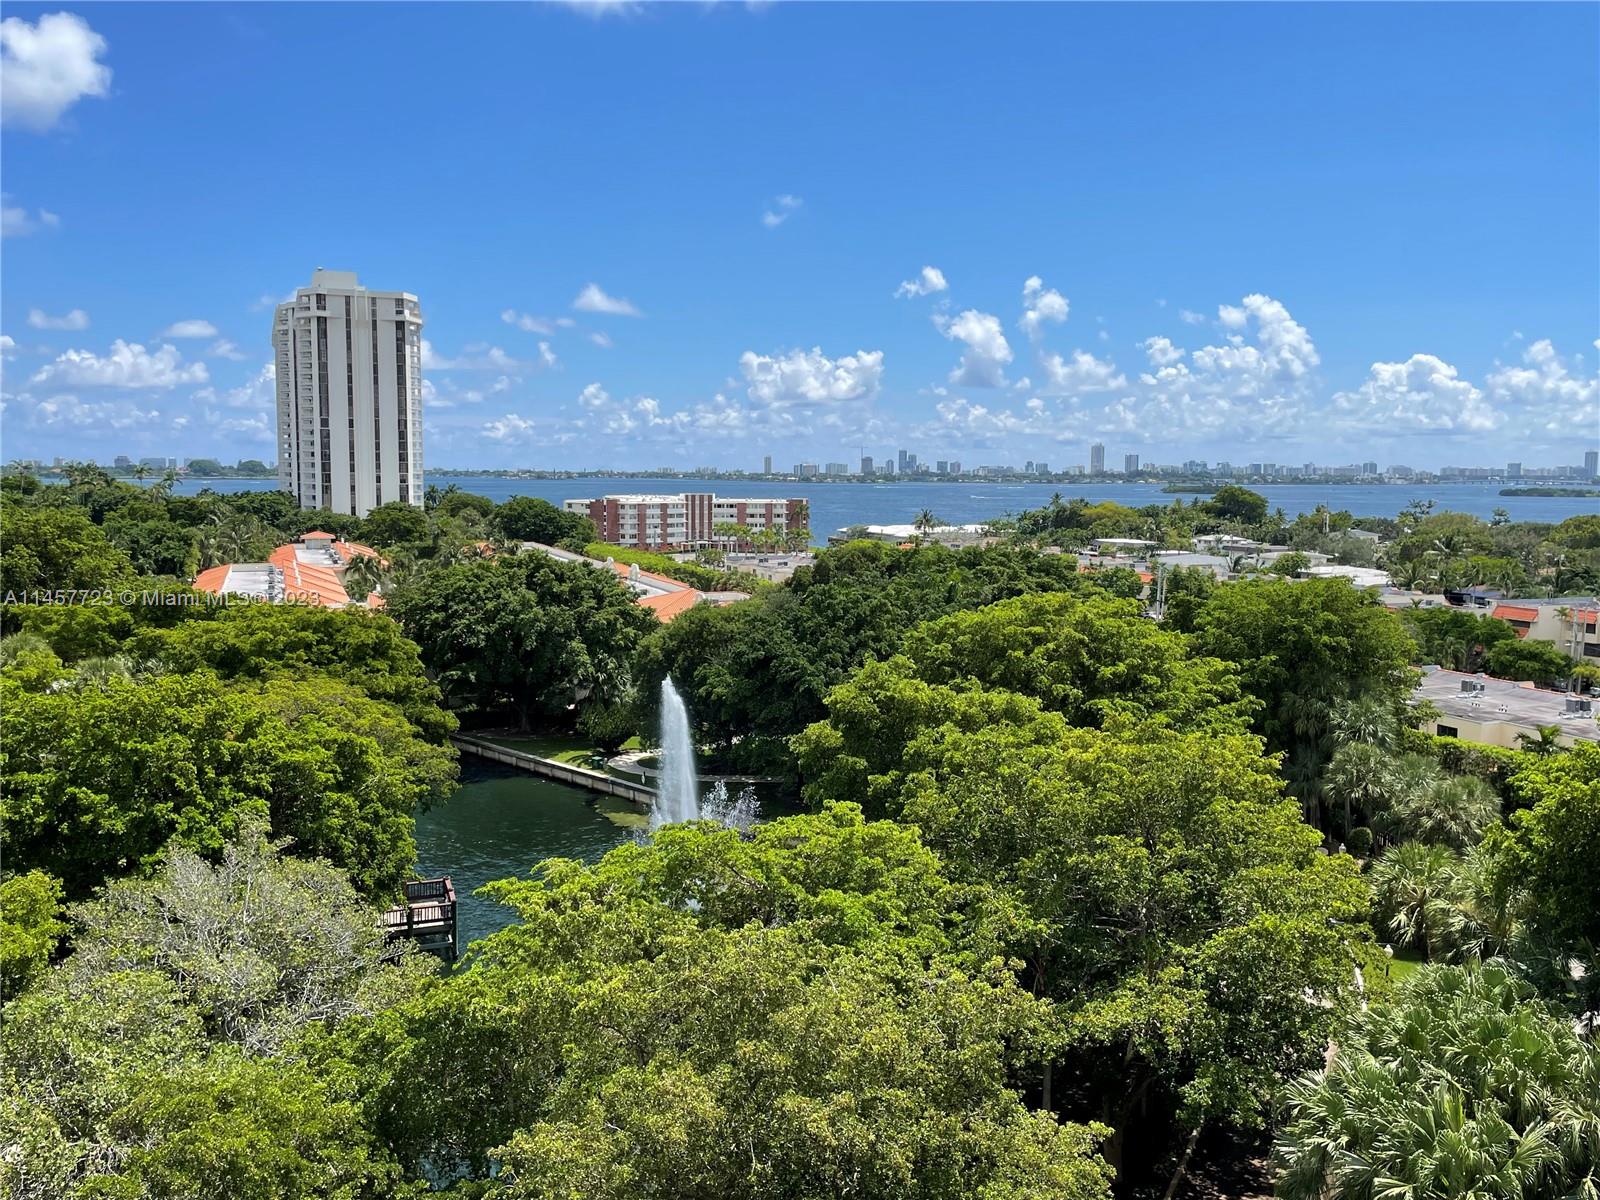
(678, 790)
(678, 786)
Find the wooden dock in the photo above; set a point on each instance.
(582, 777)
(428, 918)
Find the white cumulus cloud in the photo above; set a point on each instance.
(76, 319)
(1082, 374)
(1041, 306)
(987, 351)
(16, 221)
(928, 281)
(1422, 394)
(190, 329)
(594, 299)
(1546, 393)
(803, 377)
(128, 365)
(47, 68)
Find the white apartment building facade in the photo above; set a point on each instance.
(349, 382)
(683, 521)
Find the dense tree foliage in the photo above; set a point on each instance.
(54, 548)
(790, 1016)
(156, 1061)
(530, 519)
(1302, 649)
(1463, 1087)
(1146, 869)
(756, 673)
(526, 634)
(355, 646)
(98, 779)
(30, 928)
(1455, 638)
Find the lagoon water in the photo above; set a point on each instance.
(501, 823)
(965, 501)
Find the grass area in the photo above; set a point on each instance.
(1404, 963)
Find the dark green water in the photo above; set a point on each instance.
(501, 822)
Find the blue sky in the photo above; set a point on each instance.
(696, 234)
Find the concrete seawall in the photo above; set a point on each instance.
(580, 777)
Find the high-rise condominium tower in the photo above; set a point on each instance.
(1097, 459)
(349, 370)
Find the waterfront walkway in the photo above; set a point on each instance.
(549, 768)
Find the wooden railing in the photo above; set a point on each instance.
(428, 917)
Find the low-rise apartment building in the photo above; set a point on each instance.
(1494, 712)
(1567, 622)
(684, 521)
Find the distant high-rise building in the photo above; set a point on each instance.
(122, 460)
(866, 464)
(1130, 464)
(349, 378)
(1513, 470)
(942, 466)
(837, 468)
(911, 463)
(766, 464)
(1097, 459)
(902, 461)
(1369, 468)
(955, 466)
(1591, 463)
(1041, 468)
(805, 470)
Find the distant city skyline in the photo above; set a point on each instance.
(982, 273)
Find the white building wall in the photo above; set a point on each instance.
(360, 444)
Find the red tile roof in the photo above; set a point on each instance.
(1513, 612)
(306, 581)
(212, 579)
(316, 533)
(670, 604)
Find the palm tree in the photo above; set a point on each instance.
(1414, 891)
(363, 576)
(1362, 775)
(1465, 1086)
(925, 522)
(1365, 719)
(1544, 743)
(1451, 810)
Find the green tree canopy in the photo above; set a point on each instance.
(1463, 1086)
(525, 634)
(1302, 648)
(129, 764)
(530, 519)
(394, 524)
(163, 1058)
(1230, 502)
(361, 648)
(1537, 662)
(798, 1032)
(45, 549)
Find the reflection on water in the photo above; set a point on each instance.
(501, 822)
